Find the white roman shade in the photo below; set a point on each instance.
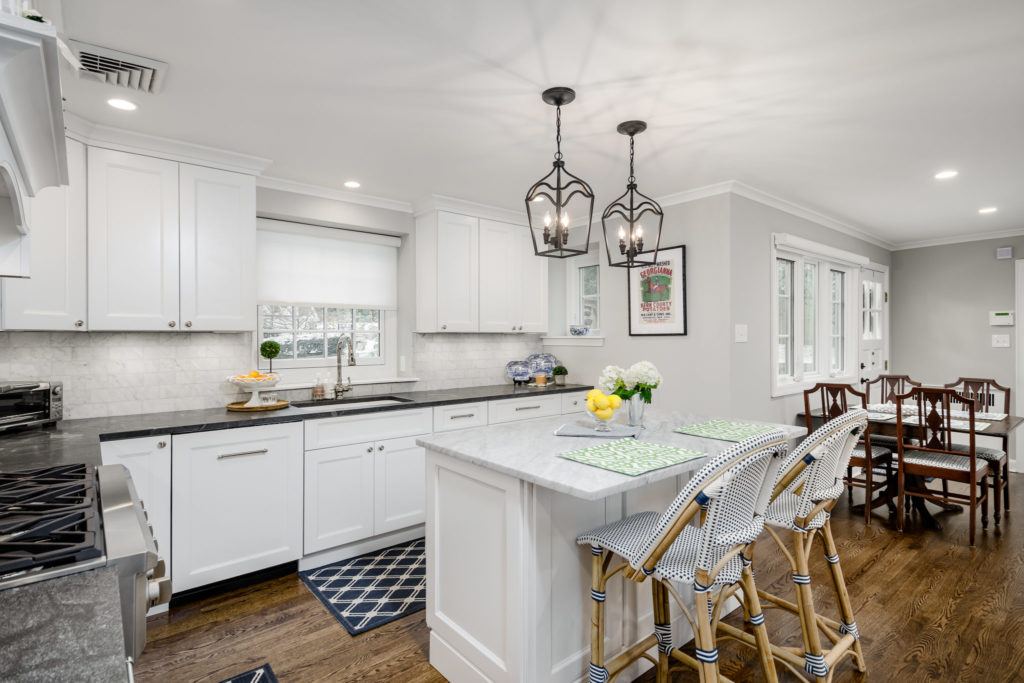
(298, 263)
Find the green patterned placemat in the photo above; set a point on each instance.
(631, 457)
(724, 430)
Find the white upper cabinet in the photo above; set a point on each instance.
(133, 242)
(218, 249)
(477, 275)
(54, 297)
(499, 276)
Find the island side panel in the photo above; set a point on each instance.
(475, 570)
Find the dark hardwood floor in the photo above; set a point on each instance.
(928, 607)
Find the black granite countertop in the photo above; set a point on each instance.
(66, 629)
(73, 441)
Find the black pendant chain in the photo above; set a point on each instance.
(558, 133)
(632, 177)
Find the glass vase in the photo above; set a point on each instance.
(636, 407)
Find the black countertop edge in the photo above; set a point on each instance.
(78, 441)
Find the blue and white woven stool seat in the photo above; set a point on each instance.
(679, 563)
(626, 538)
(783, 511)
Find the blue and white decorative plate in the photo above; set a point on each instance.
(541, 363)
(517, 371)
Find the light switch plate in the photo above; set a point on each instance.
(741, 334)
(1000, 341)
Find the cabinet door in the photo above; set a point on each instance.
(339, 496)
(236, 502)
(148, 460)
(54, 297)
(133, 241)
(218, 250)
(399, 485)
(458, 269)
(499, 277)
(531, 285)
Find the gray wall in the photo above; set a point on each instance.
(940, 301)
(751, 227)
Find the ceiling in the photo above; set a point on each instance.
(848, 108)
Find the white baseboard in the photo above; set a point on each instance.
(451, 664)
(351, 550)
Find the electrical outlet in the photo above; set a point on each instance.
(741, 335)
(1000, 341)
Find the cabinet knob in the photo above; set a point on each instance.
(161, 444)
(188, 323)
(513, 328)
(520, 328)
(444, 327)
(171, 324)
(79, 323)
(380, 447)
(369, 449)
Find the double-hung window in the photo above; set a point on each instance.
(814, 336)
(583, 288)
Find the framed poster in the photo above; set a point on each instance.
(657, 295)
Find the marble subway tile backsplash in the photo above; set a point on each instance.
(122, 373)
(445, 361)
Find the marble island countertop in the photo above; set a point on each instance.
(78, 441)
(529, 451)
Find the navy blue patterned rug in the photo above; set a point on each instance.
(373, 589)
(264, 674)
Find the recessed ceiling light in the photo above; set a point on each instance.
(988, 209)
(352, 184)
(947, 174)
(123, 105)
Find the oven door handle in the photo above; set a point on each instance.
(23, 417)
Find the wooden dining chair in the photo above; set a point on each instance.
(991, 397)
(889, 387)
(926, 449)
(834, 400)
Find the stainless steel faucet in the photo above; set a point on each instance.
(340, 387)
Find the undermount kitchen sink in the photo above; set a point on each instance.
(349, 403)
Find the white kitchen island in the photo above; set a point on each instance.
(508, 589)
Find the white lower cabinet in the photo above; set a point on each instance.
(236, 502)
(399, 487)
(148, 460)
(339, 496)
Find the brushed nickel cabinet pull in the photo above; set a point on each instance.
(188, 323)
(225, 456)
(528, 408)
(161, 444)
(171, 324)
(79, 323)
(456, 417)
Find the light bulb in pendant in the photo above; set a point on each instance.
(639, 232)
(547, 220)
(622, 233)
(565, 220)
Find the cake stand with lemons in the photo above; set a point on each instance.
(255, 382)
(602, 406)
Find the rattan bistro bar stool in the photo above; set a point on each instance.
(811, 482)
(725, 501)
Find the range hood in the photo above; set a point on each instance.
(32, 148)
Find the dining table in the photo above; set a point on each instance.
(882, 421)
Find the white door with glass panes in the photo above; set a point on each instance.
(874, 304)
(813, 326)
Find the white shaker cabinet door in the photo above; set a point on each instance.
(531, 285)
(339, 496)
(218, 250)
(457, 270)
(133, 241)
(399, 496)
(54, 298)
(236, 502)
(499, 277)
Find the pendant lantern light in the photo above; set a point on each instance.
(560, 206)
(623, 221)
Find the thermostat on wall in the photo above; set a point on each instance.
(1002, 318)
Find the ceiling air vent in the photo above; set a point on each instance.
(119, 68)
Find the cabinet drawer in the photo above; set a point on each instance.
(512, 409)
(574, 403)
(460, 416)
(350, 429)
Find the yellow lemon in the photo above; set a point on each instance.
(593, 393)
(615, 400)
(590, 405)
(604, 414)
(255, 373)
(602, 402)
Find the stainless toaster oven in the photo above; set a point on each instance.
(30, 404)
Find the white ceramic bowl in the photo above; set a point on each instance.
(252, 384)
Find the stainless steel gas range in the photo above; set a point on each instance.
(59, 520)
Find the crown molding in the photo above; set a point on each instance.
(438, 202)
(960, 239)
(761, 197)
(108, 137)
(331, 193)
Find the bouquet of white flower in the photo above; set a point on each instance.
(641, 378)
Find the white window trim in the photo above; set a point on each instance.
(572, 287)
(829, 258)
(388, 341)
